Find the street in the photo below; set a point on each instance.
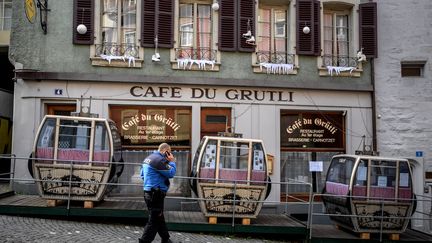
(26, 229)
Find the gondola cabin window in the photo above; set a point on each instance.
(74, 141)
(101, 151)
(339, 176)
(233, 165)
(45, 143)
(383, 180)
(360, 180)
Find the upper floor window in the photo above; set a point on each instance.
(195, 30)
(336, 39)
(5, 14)
(272, 40)
(118, 28)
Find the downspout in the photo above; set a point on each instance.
(373, 103)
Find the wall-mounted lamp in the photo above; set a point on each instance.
(306, 30)
(43, 10)
(215, 6)
(81, 28)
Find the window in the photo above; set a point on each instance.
(196, 40)
(272, 36)
(336, 40)
(118, 28)
(5, 14)
(412, 69)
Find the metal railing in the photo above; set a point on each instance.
(274, 57)
(195, 53)
(339, 61)
(114, 49)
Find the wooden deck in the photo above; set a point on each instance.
(191, 221)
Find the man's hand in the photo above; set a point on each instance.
(169, 156)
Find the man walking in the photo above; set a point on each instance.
(156, 170)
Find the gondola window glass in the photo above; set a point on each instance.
(101, 144)
(45, 144)
(360, 180)
(259, 163)
(208, 161)
(383, 179)
(405, 190)
(74, 140)
(340, 170)
(233, 161)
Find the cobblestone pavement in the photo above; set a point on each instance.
(26, 229)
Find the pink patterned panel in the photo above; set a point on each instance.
(336, 188)
(73, 154)
(46, 153)
(359, 191)
(207, 173)
(258, 175)
(232, 175)
(102, 155)
(405, 193)
(382, 192)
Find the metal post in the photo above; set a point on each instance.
(235, 191)
(70, 185)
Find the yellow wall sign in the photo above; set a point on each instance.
(30, 10)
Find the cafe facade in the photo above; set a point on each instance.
(301, 129)
(297, 74)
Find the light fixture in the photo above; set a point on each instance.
(81, 29)
(43, 10)
(215, 6)
(306, 30)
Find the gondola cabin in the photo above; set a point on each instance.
(231, 177)
(368, 187)
(72, 157)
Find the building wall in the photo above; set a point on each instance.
(404, 103)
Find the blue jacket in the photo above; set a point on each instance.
(156, 170)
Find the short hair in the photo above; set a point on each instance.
(164, 147)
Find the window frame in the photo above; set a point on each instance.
(214, 16)
(3, 17)
(97, 60)
(289, 35)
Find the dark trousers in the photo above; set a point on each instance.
(156, 221)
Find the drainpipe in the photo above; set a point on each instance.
(374, 117)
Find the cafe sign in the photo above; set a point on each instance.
(322, 130)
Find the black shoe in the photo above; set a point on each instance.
(140, 240)
(167, 241)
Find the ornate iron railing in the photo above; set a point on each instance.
(339, 61)
(275, 57)
(113, 49)
(195, 54)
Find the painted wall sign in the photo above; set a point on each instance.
(312, 129)
(211, 94)
(149, 125)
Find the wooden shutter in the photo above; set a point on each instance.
(83, 13)
(247, 13)
(227, 25)
(165, 23)
(148, 23)
(368, 29)
(157, 20)
(308, 14)
(317, 28)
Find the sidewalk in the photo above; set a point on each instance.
(24, 229)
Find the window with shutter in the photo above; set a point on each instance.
(83, 14)
(118, 33)
(273, 40)
(246, 22)
(368, 29)
(340, 55)
(195, 47)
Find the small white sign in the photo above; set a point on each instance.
(382, 181)
(315, 166)
(403, 179)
